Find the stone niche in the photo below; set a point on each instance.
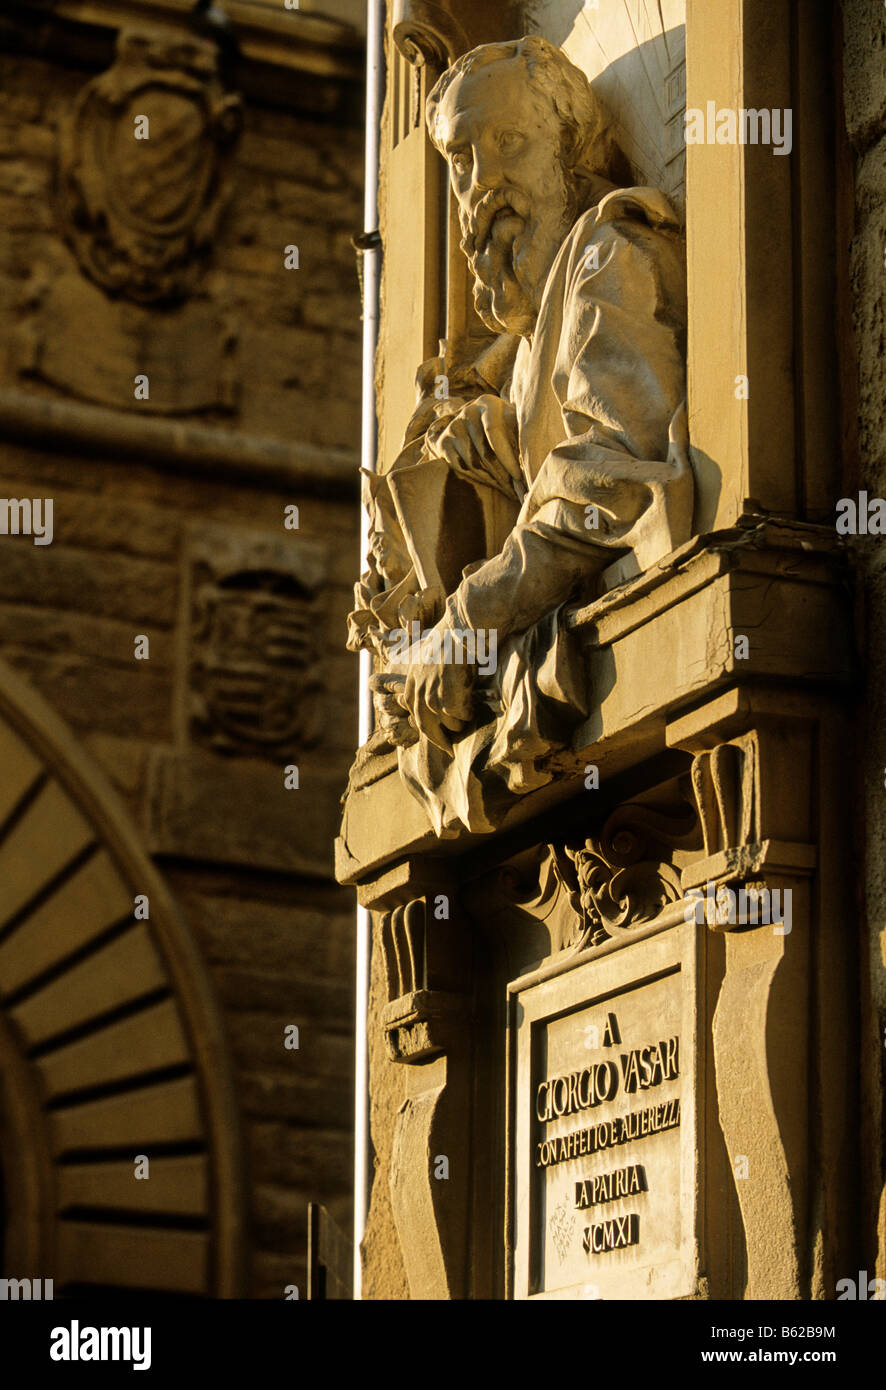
(611, 949)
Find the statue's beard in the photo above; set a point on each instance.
(510, 253)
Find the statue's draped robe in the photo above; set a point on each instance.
(599, 395)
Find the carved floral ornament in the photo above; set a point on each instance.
(144, 166)
(622, 877)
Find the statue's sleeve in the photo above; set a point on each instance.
(619, 380)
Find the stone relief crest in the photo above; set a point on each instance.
(253, 674)
(143, 176)
(144, 166)
(254, 617)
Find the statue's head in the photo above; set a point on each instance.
(525, 139)
(388, 553)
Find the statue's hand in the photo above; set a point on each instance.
(392, 722)
(480, 443)
(439, 701)
(438, 696)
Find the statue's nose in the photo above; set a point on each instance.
(486, 171)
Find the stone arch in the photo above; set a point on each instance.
(111, 1043)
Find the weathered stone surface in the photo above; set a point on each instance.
(140, 206)
(315, 1001)
(132, 351)
(384, 1271)
(251, 874)
(259, 1039)
(124, 760)
(866, 268)
(297, 1099)
(251, 681)
(100, 697)
(864, 71)
(298, 181)
(280, 1153)
(108, 586)
(105, 641)
(295, 938)
(864, 68)
(189, 812)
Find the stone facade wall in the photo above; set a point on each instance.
(864, 58)
(298, 181)
(134, 545)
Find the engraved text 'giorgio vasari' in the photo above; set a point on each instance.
(559, 450)
(641, 1069)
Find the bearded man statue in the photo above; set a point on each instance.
(587, 432)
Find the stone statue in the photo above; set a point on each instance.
(572, 450)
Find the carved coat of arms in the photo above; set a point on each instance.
(143, 166)
(253, 670)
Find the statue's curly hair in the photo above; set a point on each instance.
(588, 146)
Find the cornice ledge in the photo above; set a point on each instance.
(180, 446)
(782, 580)
(714, 551)
(267, 35)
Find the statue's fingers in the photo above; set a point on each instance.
(499, 438)
(479, 437)
(425, 716)
(455, 447)
(432, 727)
(490, 471)
(388, 683)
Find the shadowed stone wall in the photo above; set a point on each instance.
(170, 524)
(864, 59)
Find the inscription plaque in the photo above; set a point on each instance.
(604, 1080)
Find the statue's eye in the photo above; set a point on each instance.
(461, 162)
(509, 141)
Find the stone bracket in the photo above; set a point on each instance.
(427, 1024)
(422, 1024)
(427, 981)
(740, 862)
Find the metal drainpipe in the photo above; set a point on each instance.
(370, 246)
